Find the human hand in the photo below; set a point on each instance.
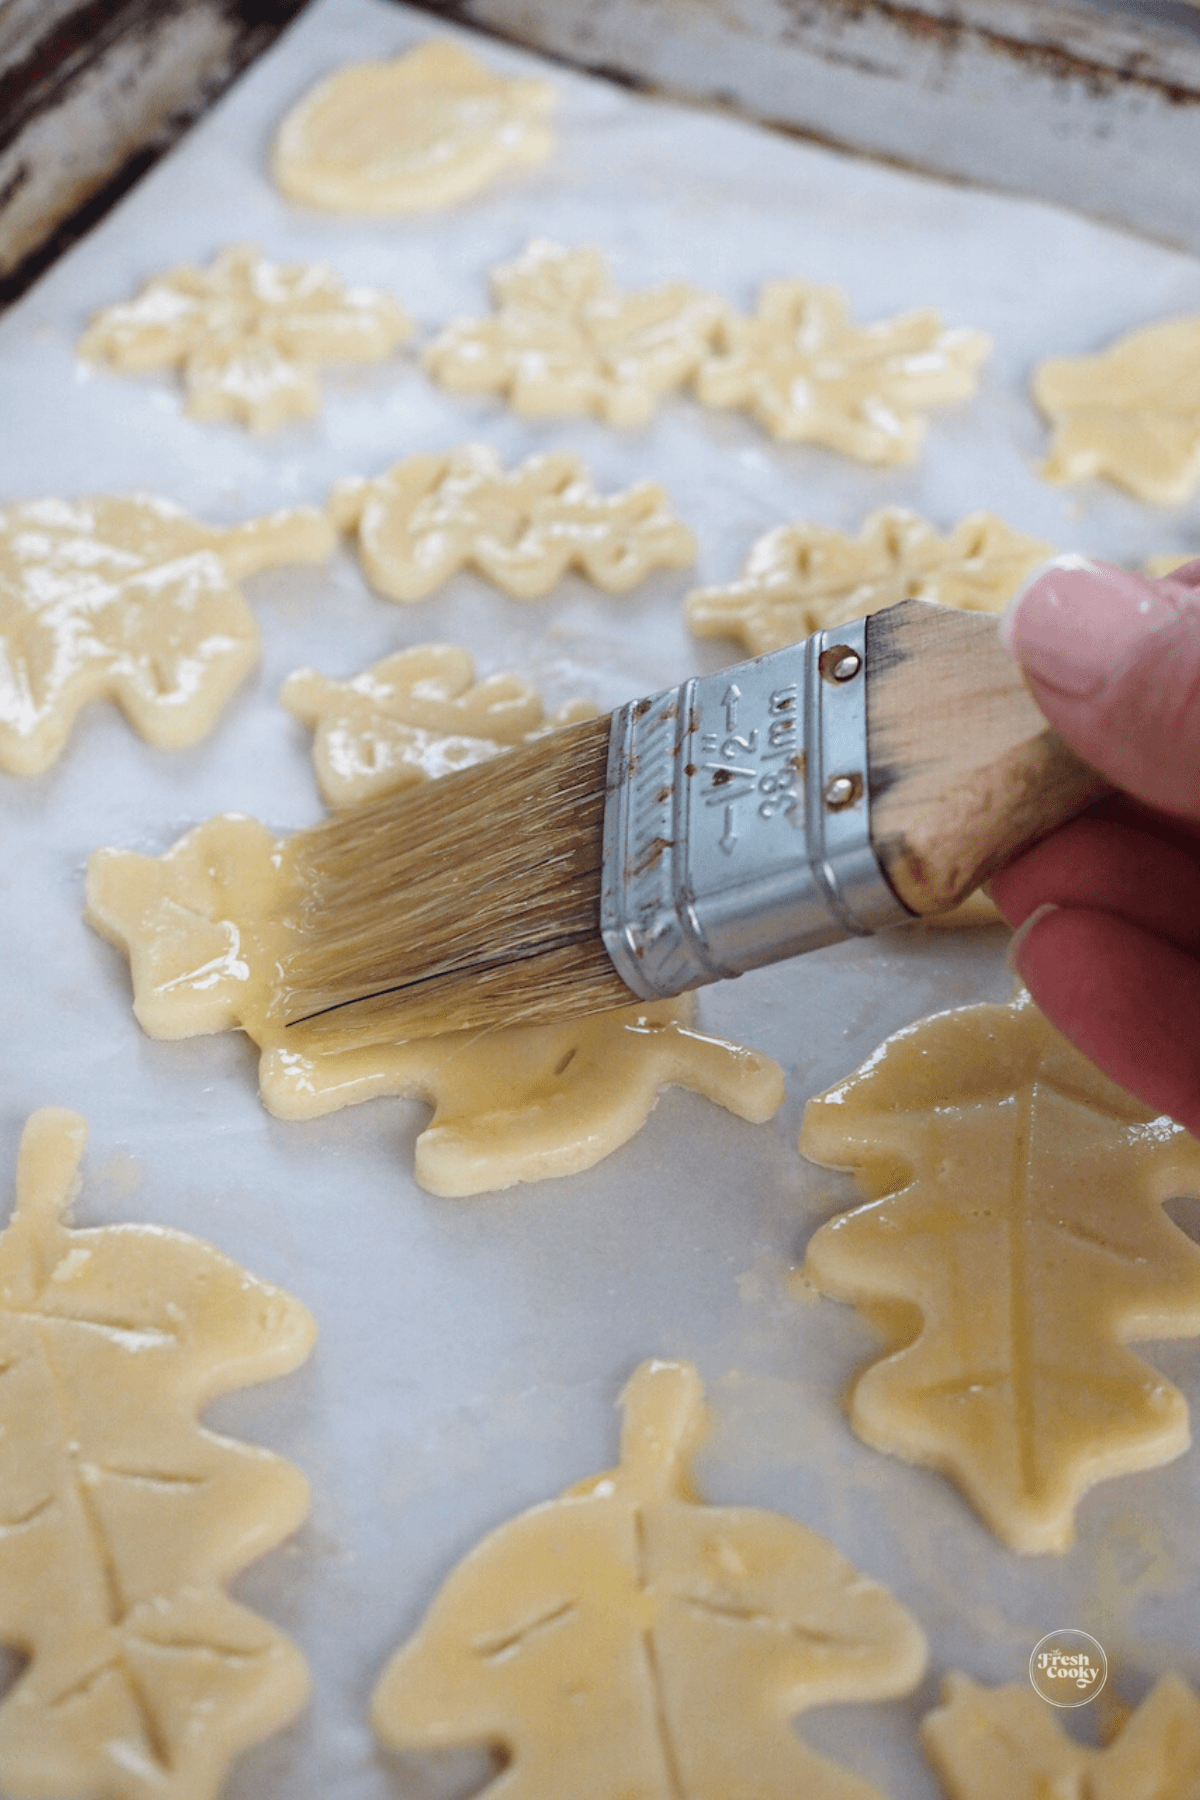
(1108, 906)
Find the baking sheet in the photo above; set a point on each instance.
(1093, 106)
(470, 1351)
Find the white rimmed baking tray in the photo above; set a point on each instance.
(470, 1351)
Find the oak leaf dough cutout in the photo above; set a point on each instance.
(802, 578)
(427, 129)
(204, 924)
(129, 600)
(432, 515)
(808, 375)
(121, 1517)
(1132, 413)
(1006, 1744)
(1012, 1243)
(248, 335)
(628, 1639)
(415, 715)
(563, 339)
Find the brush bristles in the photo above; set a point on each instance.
(468, 902)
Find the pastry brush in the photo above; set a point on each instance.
(877, 772)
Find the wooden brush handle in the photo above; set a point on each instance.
(963, 771)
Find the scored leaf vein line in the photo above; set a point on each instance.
(77, 1689)
(1019, 1315)
(28, 1518)
(749, 1615)
(492, 1647)
(123, 1330)
(662, 1725)
(117, 1606)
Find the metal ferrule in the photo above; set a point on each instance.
(737, 829)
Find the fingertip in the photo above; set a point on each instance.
(1112, 660)
(1007, 622)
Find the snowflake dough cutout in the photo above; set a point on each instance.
(802, 578)
(129, 600)
(1131, 414)
(563, 339)
(628, 1639)
(985, 1143)
(248, 335)
(412, 717)
(432, 515)
(427, 129)
(202, 927)
(810, 376)
(121, 1517)
(1006, 1744)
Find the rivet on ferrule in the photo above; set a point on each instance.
(841, 791)
(737, 829)
(839, 663)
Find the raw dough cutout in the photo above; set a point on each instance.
(801, 578)
(1013, 1243)
(626, 1639)
(430, 516)
(809, 376)
(422, 131)
(1006, 1744)
(202, 927)
(248, 335)
(563, 339)
(129, 600)
(414, 716)
(121, 1517)
(1131, 414)
(975, 911)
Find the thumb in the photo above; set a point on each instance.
(1113, 662)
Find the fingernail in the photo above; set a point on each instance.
(1075, 622)
(1017, 941)
(1069, 559)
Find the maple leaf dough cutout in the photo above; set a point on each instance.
(422, 131)
(203, 926)
(1131, 414)
(802, 578)
(432, 515)
(121, 1517)
(810, 376)
(248, 335)
(1012, 1243)
(563, 339)
(1006, 1744)
(626, 1639)
(416, 715)
(129, 600)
